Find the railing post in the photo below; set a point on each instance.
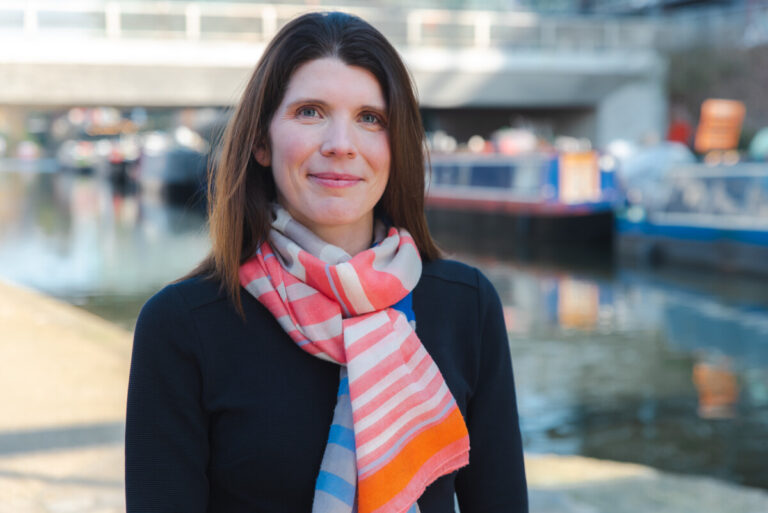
(30, 20)
(414, 28)
(613, 38)
(193, 21)
(482, 30)
(112, 20)
(268, 22)
(548, 33)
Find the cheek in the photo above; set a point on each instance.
(380, 155)
(289, 153)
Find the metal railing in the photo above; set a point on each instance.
(211, 21)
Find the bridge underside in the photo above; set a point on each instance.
(624, 92)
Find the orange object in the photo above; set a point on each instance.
(720, 125)
(578, 304)
(718, 389)
(579, 177)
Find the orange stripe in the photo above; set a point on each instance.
(379, 488)
(446, 460)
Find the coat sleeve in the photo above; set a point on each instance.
(166, 435)
(494, 481)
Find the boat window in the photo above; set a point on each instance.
(733, 195)
(491, 176)
(445, 174)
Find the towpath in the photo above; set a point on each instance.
(63, 380)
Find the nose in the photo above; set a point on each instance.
(338, 140)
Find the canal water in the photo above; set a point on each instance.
(667, 368)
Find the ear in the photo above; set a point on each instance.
(261, 154)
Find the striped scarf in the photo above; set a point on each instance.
(396, 427)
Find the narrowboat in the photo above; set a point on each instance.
(534, 198)
(712, 216)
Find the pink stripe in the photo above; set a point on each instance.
(362, 383)
(314, 309)
(333, 347)
(248, 271)
(398, 437)
(390, 287)
(405, 238)
(315, 273)
(414, 376)
(367, 341)
(340, 291)
(274, 303)
(418, 397)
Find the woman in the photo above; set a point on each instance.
(285, 374)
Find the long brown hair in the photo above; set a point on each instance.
(240, 190)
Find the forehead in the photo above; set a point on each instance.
(331, 79)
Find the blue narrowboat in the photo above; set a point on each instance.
(566, 197)
(714, 216)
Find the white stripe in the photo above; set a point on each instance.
(324, 356)
(411, 414)
(282, 218)
(259, 286)
(295, 267)
(353, 289)
(358, 330)
(372, 356)
(397, 399)
(331, 254)
(324, 501)
(393, 376)
(323, 330)
(299, 290)
(287, 324)
(384, 251)
(280, 289)
(404, 262)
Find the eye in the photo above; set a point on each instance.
(371, 118)
(307, 112)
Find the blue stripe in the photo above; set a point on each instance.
(344, 386)
(335, 292)
(303, 342)
(271, 255)
(336, 486)
(405, 306)
(755, 236)
(342, 436)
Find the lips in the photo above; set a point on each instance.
(335, 179)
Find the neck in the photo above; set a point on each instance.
(352, 239)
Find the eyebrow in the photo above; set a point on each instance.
(322, 103)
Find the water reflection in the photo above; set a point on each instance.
(77, 238)
(665, 368)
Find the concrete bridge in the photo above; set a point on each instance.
(596, 78)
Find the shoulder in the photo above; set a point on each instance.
(173, 307)
(457, 274)
(185, 295)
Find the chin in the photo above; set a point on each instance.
(335, 218)
(343, 211)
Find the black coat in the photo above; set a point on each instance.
(230, 416)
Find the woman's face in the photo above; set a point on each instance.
(329, 147)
